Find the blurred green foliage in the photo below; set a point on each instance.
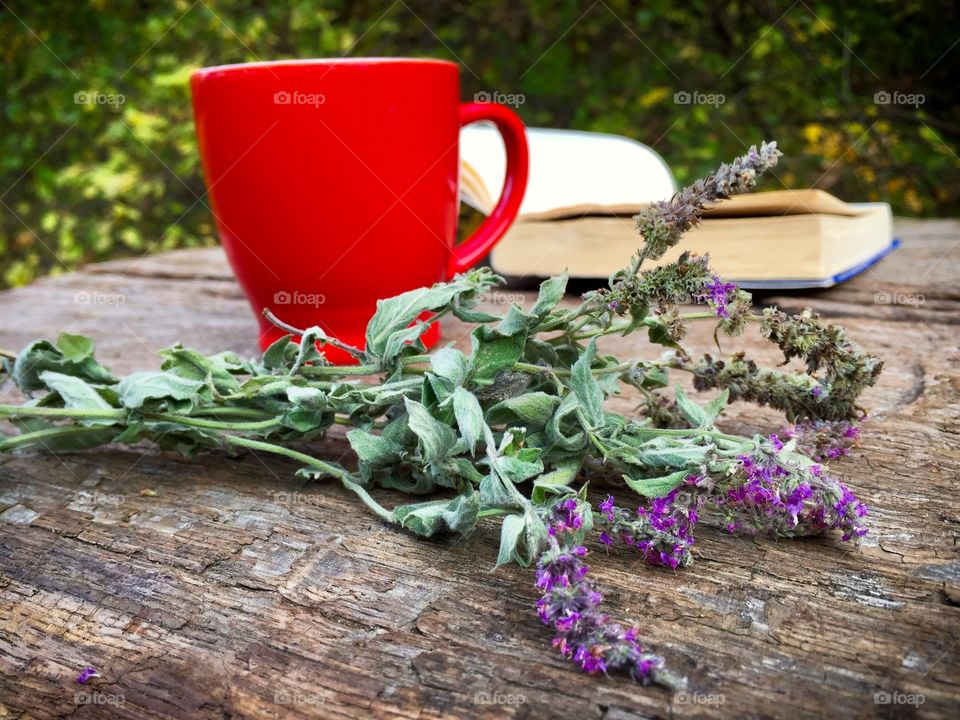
(81, 181)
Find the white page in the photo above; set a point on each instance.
(570, 168)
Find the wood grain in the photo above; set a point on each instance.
(238, 591)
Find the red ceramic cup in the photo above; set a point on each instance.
(335, 183)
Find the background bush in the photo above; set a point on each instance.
(86, 181)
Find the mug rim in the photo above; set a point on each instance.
(322, 62)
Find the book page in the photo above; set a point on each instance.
(568, 169)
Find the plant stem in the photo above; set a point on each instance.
(342, 474)
(41, 435)
(12, 411)
(214, 424)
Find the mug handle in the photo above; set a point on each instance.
(470, 251)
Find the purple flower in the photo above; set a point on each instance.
(570, 603)
(788, 500)
(718, 294)
(662, 532)
(86, 674)
(606, 507)
(825, 439)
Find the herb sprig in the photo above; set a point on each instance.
(513, 428)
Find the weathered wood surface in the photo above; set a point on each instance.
(239, 591)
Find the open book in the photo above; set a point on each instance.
(584, 189)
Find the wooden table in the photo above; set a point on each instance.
(238, 591)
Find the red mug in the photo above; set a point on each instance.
(335, 183)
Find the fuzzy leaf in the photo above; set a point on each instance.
(436, 438)
(557, 481)
(494, 352)
(42, 355)
(551, 293)
(693, 413)
(375, 450)
(517, 322)
(716, 406)
(281, 354)
(469, 414)
(440, 516)
(659, 334)
(76, 393)
(520, 467)
(585, 386)
(656, 487)
(535, 408)
(76, 348)
(194, 366)
(562, 430)
(388, 328)
(140, 387)
(677, 457)
(309, 398)
(511, 531)
(527, 528)
(451, 364)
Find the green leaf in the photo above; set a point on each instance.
(520, 467)
(656, 487)
(693, 413)
(75, 347)
(474, 317)
(436, 439)
(517, 322)
(495, 494)
(677, 457)
(469, 414)
(140, 387)
(716, 406)
(557, 481)
(551, 293)
(375, 450)
(511, 531)
(194, 366)
(41, 355)
(451, 364)
(494, 352)
(281, 354)
(659, 334)
(309, 398)
(585, 386)
(440, 516)
(77, 394)
(535, 408)
(388, 328)
(516, 530)
(563, 430)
